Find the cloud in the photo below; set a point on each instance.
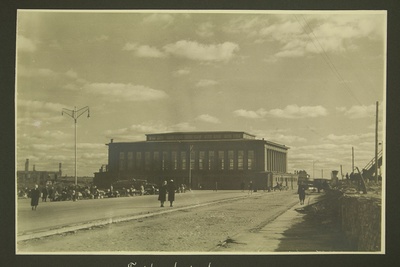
(282, 31)
(295, 112)
(126, 92)
(71, 74)
(250, 114)
(138, 131)
(342, 138)
(290, 112)
(301, 35)
(205, 29)
(39, 105)
(206, 83)
(159, 18)
(358, 112)
(42, 72)
(208, 118)
(350, 138)
(202, 52)
(25, 44)
(144, 50)
(247, 24)
(281, 136)
(181, 72)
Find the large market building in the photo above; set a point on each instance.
(203, 160)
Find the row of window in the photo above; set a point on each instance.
(180, 160)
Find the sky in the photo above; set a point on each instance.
(307, 80)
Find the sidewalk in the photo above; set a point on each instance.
(292, 232)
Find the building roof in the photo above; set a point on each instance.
(203, 133)
(211, 136)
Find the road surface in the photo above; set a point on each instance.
(200, 221)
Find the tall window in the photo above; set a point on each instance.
(165, 161)
(138, 160)
(250, 159)
(221, 160)
(211, 159)
(230, 159)
(240, 159)
(183, 160)
(147, 160)
(156, 160)
(130, 160)
(174, 160)
(121, 161)
(192, 159)
(201, 160)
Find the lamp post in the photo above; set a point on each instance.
(75, 114)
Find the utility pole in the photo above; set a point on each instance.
(75, 114)
(352, 159)
(376, 143)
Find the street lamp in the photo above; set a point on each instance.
(75, 114)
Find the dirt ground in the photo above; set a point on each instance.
(202, 229)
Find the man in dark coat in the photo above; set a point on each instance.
(302, 193)
(35, 195)
(162, 193)
(45, 193)
(171, 192)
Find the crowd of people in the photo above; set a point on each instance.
(54, 192)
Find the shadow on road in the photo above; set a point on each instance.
(319, 231)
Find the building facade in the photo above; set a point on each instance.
(29, 177)
(200, 160)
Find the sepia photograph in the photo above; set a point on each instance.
(200, 132)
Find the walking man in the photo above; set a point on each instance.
(162, 193)
(171, 192)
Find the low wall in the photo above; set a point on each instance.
(361, 221)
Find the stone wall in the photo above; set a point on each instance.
(360, 218)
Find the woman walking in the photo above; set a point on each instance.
(302, 193)
(162, 194)
(171, 192)
(35, 195)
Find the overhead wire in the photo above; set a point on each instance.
(326, 58)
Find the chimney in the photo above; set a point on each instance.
(60, 169)
(34, 167)
(112, 140)
(27, 165)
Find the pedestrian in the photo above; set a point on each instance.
(251, 187)
(162, 193)
(51, 193)
(302, 193)
(171, 192)
(35, 195)
(45, 193)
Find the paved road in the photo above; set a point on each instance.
(60, 215)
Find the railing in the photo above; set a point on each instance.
(372, 162)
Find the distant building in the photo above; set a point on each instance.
(201, 160)
(28, 177)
